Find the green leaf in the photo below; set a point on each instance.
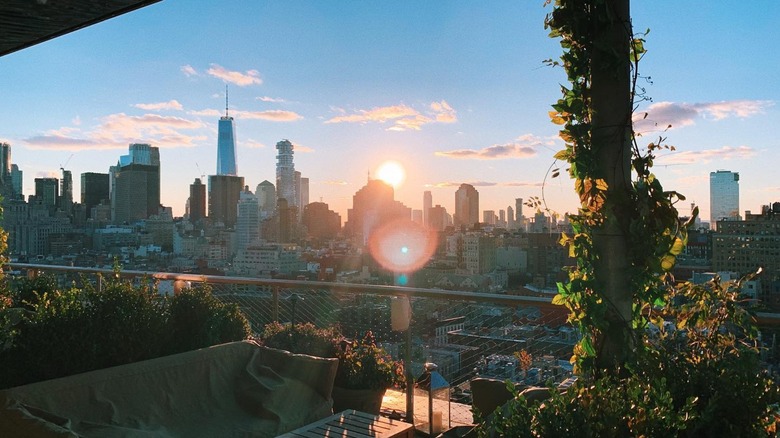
(559, 300)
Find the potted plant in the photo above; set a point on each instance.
(365, 369)
(365, 372)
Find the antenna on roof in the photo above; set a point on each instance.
(226, 100)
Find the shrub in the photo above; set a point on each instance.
(65, 332)
(197, 319)
(302, 338)
(700, 378)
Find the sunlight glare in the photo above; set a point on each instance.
(392, 173)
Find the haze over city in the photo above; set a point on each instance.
(455, 92)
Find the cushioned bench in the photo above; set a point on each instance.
(236, 389)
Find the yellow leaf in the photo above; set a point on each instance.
(677, 246)
(667, 262)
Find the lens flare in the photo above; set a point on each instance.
(402, 246)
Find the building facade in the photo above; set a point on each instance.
(224, 192)
(373, 206)
(744, 246)
(724, 197)
(321, 222)
(135, 184)
(266, 198)
(94, 190)
(248, 221)
(285, 173)
(466, 206)
(197, 204)
(226, 144)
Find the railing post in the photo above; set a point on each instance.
(409, 377)
(275, 292)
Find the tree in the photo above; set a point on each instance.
(627, 231)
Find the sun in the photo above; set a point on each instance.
(392, 173)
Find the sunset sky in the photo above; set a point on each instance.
(454, 91)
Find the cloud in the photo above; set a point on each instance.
(660, 115)
(706, 155)
(116, 131)
(402, 117)
(377, 114)
(444, 112)
(188, 70)
(248, 77)
(335, 183)
(252, 144)
(62, 142)
(270, 115)
(121, 124)
(169, 105)
(76, 121)
(410, 123)
(271, 99)
(523, 147)
(522, 184)
(206, 113)
(302, 149)
(457, 184)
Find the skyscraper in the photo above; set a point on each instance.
(724, 197)
(6, 183)
(66, 191)
(197, 201)
(47, 191)
(285, 173)
(321, 222)
(304, 194)
(135, 184)
(226, 144)
(17, 182)
(94, 190)
(266, 198)
(466, 206)
(518, 209)
(5, 163)
(224, 192)
(437, 218)
(427, 204)
(248, 221)
(373, 206)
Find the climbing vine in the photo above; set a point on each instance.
(642, 213)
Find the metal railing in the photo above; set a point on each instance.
(467, 334)
(464, 333)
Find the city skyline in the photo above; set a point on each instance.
(454, 92)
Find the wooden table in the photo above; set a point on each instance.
(351, 423)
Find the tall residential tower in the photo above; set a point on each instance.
(285, 173)
(724, 197)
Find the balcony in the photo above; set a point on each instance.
(466, 334)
